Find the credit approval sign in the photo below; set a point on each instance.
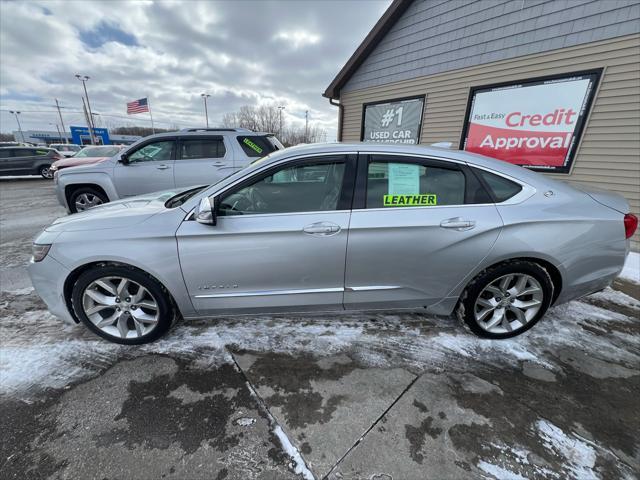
(535, 123)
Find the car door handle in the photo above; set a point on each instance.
(322, 229)
(458, 223)
(163, 167)
(218, 164)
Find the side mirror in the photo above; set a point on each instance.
(124, 159)
(206, 212)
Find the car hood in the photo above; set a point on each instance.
(74, 162)
(118, 214)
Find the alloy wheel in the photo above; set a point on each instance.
(85, 201)
(508, 303)
(46, 173)
(120, 307)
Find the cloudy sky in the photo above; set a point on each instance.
(240, 52)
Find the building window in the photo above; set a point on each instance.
(393, 121)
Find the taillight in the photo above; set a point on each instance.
(630, 224)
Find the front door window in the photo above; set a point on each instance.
(311, 187)
(153, 152)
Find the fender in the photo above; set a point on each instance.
(77, 176)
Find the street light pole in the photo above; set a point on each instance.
(16, 113)
(83, 79)
(280, 108)
(58, 129)
(66, 140)
(206, 112)
(306, 126)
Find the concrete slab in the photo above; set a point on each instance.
(324, 404)
(517, 423)
(147, 418)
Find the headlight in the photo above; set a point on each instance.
(40, 251)
(53, 168)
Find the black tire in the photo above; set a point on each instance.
(45, 172)
(85, 191)
(466, 305)
(166, 311)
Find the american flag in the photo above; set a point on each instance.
(137, 106)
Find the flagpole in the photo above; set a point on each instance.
(149, 105)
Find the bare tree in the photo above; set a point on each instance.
(266, 118)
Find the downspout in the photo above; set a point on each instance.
(340, 115)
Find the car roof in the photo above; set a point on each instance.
(472, 159)
(207, 132)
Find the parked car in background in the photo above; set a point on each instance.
(87, 156)
(27, 161)
(66, 149)
(436, 230)
(159, 162)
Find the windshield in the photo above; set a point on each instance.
(97, 152)
(65, 148)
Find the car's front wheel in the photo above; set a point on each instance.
(122, 304)
(86, 198)
(45, 172)
(506, 300)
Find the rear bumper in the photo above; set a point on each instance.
(48, 277)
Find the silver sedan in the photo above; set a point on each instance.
(338, 228)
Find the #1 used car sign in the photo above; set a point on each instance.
(536, 124)
(397, 121)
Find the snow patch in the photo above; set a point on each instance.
(20, 291)
(631, 269)
(499, 472)
(245, 421)
(298, 465)
(580, 457)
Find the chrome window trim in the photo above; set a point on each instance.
(224, 189)
(527, 190)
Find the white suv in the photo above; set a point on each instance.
(164, 161)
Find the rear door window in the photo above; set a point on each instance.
(23, 152)
(257, 145)
(202, 148)
(413, 184)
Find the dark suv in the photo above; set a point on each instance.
(27, 161)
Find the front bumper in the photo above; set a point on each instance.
(62, 200)
(48, 277)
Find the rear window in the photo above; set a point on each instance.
(501, 188)
(257, 145)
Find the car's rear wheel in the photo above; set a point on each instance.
(45, 172)
(86, 198)
(506, 300)
(122, 304)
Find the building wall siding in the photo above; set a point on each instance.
(609, 154)
(435, 36)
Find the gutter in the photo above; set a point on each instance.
(340, 116)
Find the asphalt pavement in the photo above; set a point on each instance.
(356, 396)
